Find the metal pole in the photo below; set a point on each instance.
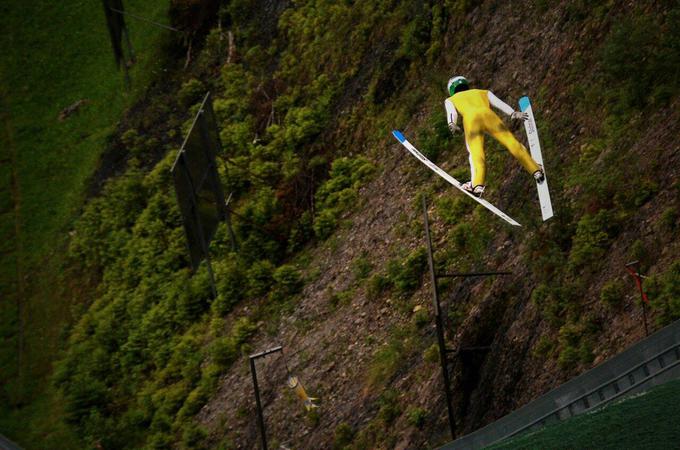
(440, 325)
(258, 403)
(634, 269)
(260, 418)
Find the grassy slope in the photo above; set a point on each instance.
(648, 421)
(53, 55)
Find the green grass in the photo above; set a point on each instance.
(647, 421)
(54, 54)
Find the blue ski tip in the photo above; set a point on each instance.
(524, 103)
(397, 134)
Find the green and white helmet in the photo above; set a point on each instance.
(455, 82)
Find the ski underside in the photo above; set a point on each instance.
(535, 149)
(455, 183)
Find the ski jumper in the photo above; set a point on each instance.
(475, 107)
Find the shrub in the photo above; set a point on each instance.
(229, 278)
(421, 318)
(593, 236)
(343, 435)
(650, 42)
(361, 266)
(389, 406)
(669, 219)
(544, 347)
(664, 293)
(339, 192)
(612, 293)
(325, 223)
(431, 354)
(568, 358)
(260, 278)
(377, 284)
(406, 275)
(192, 436)
(288, 282)
(452, 210)
(416, 417)
(191, 92)
(385, 364)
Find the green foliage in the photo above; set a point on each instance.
(377, 284)
(421, 319)
(192, 437)
(339, 192)
(343, 298)
(415, 37)
(362, 267)
(452, 209)
(663, 291)
(342, 435)
(640, 58)
(287, 282)
(416, 417)
(555, 301)
(575, 343)
(192, 91)
(593, 236)
(435, 137)
(229, 277)
(544, 347)
(612, 293)
(260, 278)
(669, 219)
(406, 275)
(431, 354)
(386, 363)
(389, 406)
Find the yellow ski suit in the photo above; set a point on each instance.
(475, 107)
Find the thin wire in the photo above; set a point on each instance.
(167, 27)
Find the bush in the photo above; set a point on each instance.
(377, 284)
(389, 406)
(593, 237)
(663, 292)
(612, 293)
(260, 278)
(406, 275)
(568, 358)
(339, 192)
(431, 354)
(191, 92)
(421, 318)
(192, 436)
(287, 282)
(361, 266)
(385, 363)
(669, 219)
(416, 417)
(452, 210)
(342, 436)
(651, 42)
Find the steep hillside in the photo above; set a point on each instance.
(60, 99)
(331, 254)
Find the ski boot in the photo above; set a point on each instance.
(477, 191)
(539, 176)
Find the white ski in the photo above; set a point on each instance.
(414, 151)
(535, 148)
